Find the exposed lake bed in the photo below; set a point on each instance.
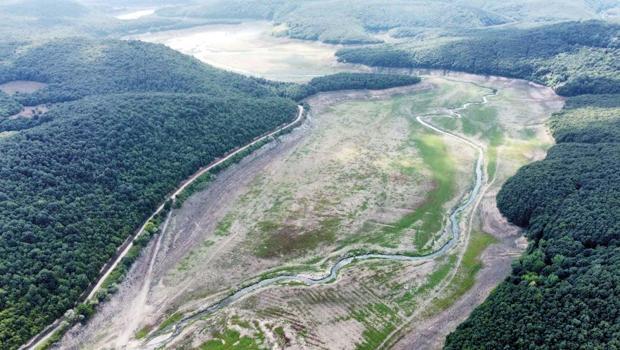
(212, 248)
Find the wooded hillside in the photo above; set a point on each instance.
(574, 57)
(76, 184)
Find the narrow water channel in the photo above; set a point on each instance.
(454, 230)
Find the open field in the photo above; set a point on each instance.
(360, 174)
(21, 87)
(251, 48)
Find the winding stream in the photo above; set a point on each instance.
(160, 338)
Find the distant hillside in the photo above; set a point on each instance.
(78, 181)
(78, 67)
(356, 22)
(572, 57)
(44, 8)
(345, 21)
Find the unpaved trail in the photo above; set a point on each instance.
(139, 306)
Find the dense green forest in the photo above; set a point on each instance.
(345, 81)
(77, 67)
(8, 106)
(74, 188)
(573, 57)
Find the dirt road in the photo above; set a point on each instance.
(42, 337)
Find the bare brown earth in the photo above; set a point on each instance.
(21, 86)
(30, 111)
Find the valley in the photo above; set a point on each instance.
(309, 174)
(373, 171)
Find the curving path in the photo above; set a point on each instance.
(163, 337)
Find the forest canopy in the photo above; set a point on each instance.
(345, 81)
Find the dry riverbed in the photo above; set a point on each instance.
(361, 173)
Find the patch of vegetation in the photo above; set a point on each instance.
(172, 319)
(200, 184)
(588, 119)
(346, 81)
(379, 320)
(224, 225)
(465, 276)
(428, 217)
(280, 240)
(482, 121)
(438, 275)
(143, 332)
(231, 340)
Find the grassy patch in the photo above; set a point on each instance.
(143, 332)
(230, 340)
(483, 121)
(188, 261)
(223, 227)
(285, 240)
(465, 276)
(438, 275)
(379, 321)
(172, 319)
(430, 214)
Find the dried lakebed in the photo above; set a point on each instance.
(454, 229)
(211, 281)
